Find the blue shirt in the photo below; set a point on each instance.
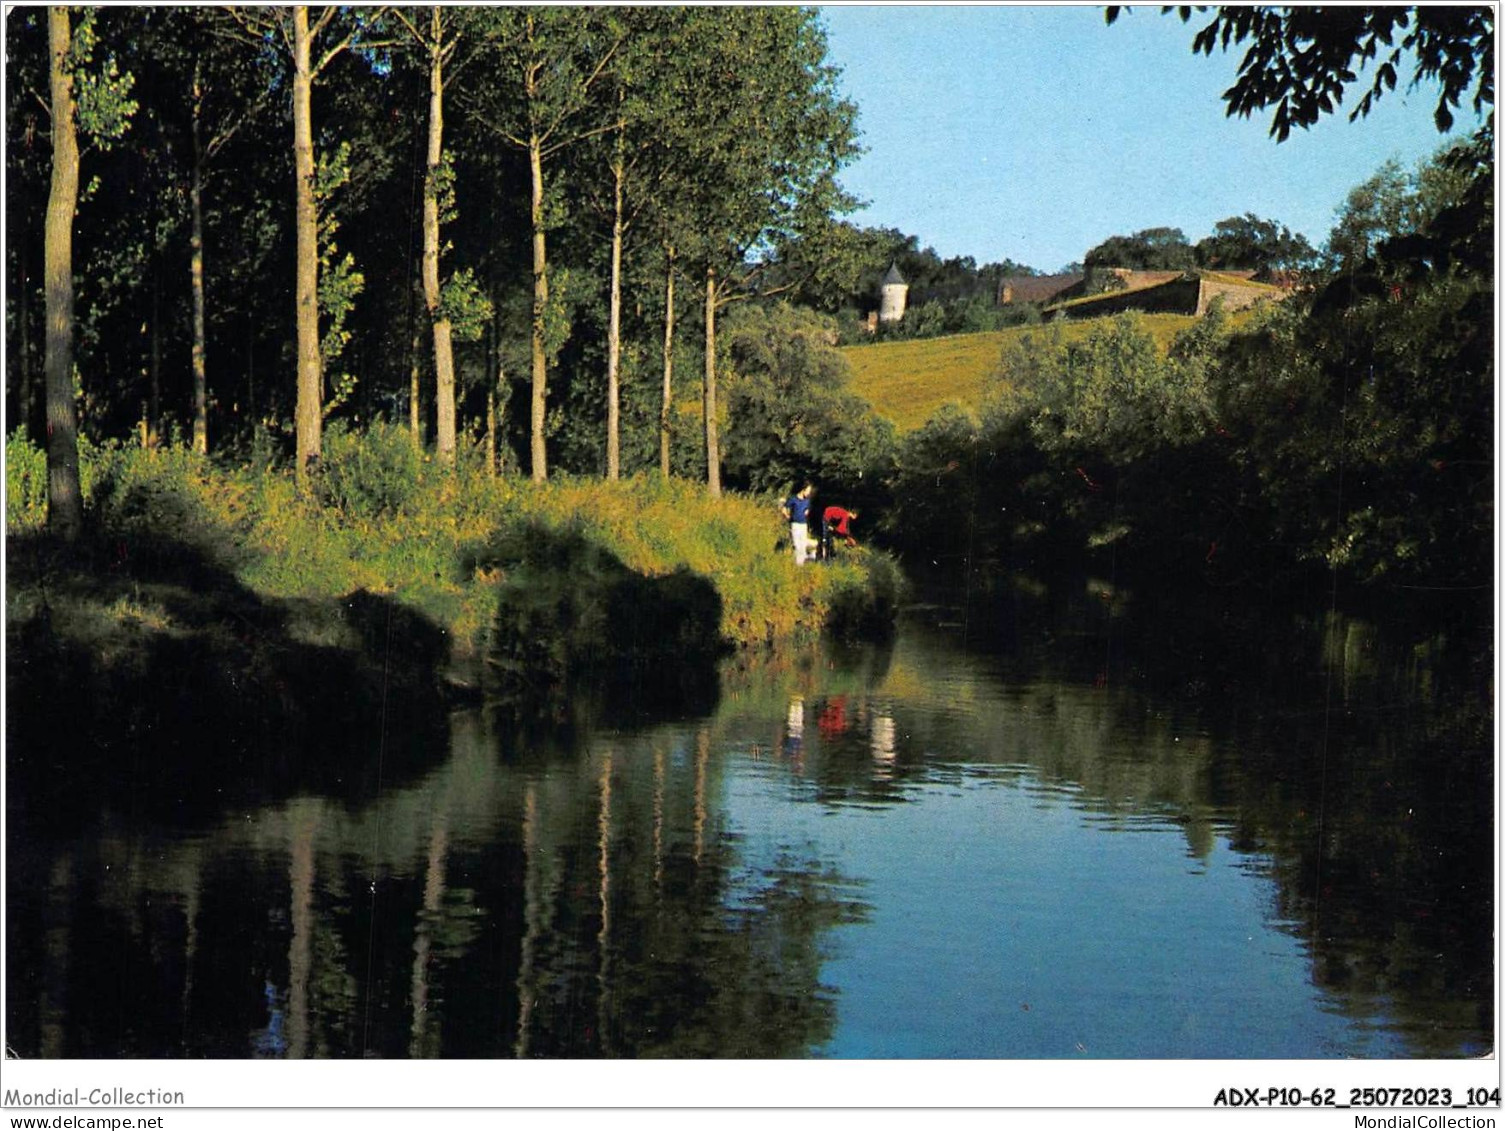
(799, 509)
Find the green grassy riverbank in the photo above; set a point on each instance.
(391, 562)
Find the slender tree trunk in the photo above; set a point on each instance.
(415, 329)
(712, 441)
(540, 312)
(604, 969)
(501, 419)
(415, 386)
(535, 920)
(28, 393)
(423, 1040)
(492, 364)
(196, 273)
(497, 406)
(310, 369)
(665, 410)
(491, 432)
(444, 357)
(65, 513)
(303, 828)
(614, 321)
(415, 362)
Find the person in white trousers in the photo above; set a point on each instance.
(796, 509)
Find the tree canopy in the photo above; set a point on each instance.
(1248, 241)
(1244, 242)
(1303, 60)
(446, 174)
(1153, 249)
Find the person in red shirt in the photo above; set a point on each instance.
(834, 521)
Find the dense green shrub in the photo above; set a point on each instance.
(1111, 393)
(25, 484)
(790, 413)
(369, 474)
(1362, 436)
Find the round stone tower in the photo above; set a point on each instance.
(892, 295)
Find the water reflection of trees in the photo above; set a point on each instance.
(588, 903)
(1353, 765)
(570, 891)
(1378, 818)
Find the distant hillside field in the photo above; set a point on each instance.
(906, 382)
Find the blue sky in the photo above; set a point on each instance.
(1034, 133)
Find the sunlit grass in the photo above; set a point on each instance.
(134, 613)
(443, 541)
(1240, 281)
(907, 382)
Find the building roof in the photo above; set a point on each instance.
(1036, 288)
(893, 276)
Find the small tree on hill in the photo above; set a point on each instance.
(1252, 243)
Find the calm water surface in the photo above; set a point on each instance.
(1069, 829)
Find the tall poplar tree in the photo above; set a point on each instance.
(439, 36)
(65, 508)
(768, 133)
(94, 99)
(213, 125)
(309, 417)
(646, 93)
(224, 89)
(312, 42)
(548, 63)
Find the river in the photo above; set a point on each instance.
(1070, 826)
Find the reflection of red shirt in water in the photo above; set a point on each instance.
(833, 720)
(838, 520)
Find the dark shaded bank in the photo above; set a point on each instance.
(142, 671)
(868, 613)
(1205, 626)
(576, 631)
(154, 680)
(146, 674)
